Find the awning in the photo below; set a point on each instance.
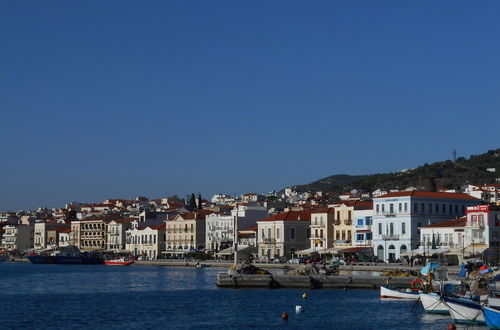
(175, 251)
(475, 249)
(311, 250)
(357, 249)
(241, 248)
(426, 251)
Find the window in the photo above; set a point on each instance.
(315, 233)
(406, 207)
(368, 236)
(263, 233)
(380, 228)
(391, 208)
(377, 208)
(269, 233)
(349, 215)
(277, 233)
(437, 208)
(443, 208)
(400, 207)
(383, 208)
(415, 207)
(292, 233)
(391, 230)
(429, 209)
(360, 223)
(321, 233)
(403, 228)
(368, 221)
(359, 237)
(278, 252)
(450, 209)
(456, 208)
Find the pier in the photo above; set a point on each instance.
(226, 280)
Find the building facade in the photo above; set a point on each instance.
(17, 237)
(482, 230)
(321, 229)
(398, 216)
(146, 242)
(186, 232)
(362, 226)
(283, 234)
(116, 234)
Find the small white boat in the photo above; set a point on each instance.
(464, 310)
(387, 292)
(433, 303)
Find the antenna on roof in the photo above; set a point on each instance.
(454, 153)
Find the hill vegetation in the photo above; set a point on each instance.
(446, 174)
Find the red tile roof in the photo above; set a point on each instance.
(304, 215)
(428, 194)
(459, 222)
(253, 228)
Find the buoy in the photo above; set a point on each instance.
(452, 326)
(304, 295)
(299, 309)
(284, 316)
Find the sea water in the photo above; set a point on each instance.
(153, 297)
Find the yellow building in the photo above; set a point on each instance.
(186, 232)
(343, 220)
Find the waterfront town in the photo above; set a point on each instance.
(385, 226)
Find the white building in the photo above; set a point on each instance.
(115, 232)
(146, 242)
(489, 193)
(483, 228)
(219, 233)
(447, 235)
(17, 238)
(398, 216)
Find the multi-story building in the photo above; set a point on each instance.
(45, 235)
(89, 234)
(363, 226)
(219, 233)
(321, 228)
(17, 238)
(116, 233)
(186, 232)
(146, 242)
(482, 229)
(248, 236)
(283, 234)
(343, 220)
(398, 216)
(64, 236)
(8, 218)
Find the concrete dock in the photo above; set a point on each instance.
(225, 280)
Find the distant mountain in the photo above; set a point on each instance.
(446, 174)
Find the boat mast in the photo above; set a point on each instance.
(235, 236)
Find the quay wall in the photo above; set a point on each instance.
(225, 280)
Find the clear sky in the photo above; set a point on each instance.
(114, 99)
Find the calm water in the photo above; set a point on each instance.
(95, 297)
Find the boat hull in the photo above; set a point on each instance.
(117, 263)
(433, 304)
(386, 292)
(65, 260)
(464, 311)
(491, 317)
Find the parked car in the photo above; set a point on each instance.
(280, 260)
(294, 261)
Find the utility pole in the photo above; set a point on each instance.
(235, 236)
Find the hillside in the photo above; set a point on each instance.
(447, 174)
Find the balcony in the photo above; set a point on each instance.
(316, 224)
(348, 222)
(389, 213)
(336, 222)
(268, 240)
(317, 238)
(390, 237)
(341, 242)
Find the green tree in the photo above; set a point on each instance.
(192, 203)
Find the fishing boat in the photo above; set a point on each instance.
(433, 303)
(387, 292)
(118, 262)
(491, 317)
(464, 310)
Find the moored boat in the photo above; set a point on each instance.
(118, 262)
(464, 310)
(69, 255)
(491, 317)
(387, 292)
(433, 303)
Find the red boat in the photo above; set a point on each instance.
(118, 262)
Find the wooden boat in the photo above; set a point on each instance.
(491, 317)
(388, 292)
(118, 262)
(433, 303)
(464, 310)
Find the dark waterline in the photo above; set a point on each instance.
(96, 297)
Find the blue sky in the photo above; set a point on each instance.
(115, 99)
